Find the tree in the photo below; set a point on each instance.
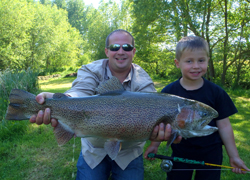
(77, 14)
(168, 21)
(239, 44)
(55, 42)
(45, 2)
(16, 20)
(60, 3)
(99, 23)
(152, 32)
(36, 35)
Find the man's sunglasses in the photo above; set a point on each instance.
(125, 47)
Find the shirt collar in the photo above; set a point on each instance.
(108, 74)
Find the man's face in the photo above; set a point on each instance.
(120, 61)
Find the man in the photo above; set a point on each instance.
(93, 162)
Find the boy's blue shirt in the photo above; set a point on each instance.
(212, 95)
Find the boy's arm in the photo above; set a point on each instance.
(227, 136)
(152, 148)
(160, 133)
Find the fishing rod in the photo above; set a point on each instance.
(167, 164)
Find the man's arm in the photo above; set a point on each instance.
(83, 85)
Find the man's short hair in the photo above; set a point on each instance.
(118, 30)
(191, 43)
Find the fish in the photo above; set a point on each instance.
(116, 115)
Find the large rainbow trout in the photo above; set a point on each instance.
(116, 115)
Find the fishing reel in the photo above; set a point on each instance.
(166, 165)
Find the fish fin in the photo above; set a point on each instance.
(62, 134)
(113, 84)
(59, 96)
(179, 108)
(112, 148)
(171, 139)
(15, 110)
(120, 147)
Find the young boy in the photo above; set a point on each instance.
(192, 56)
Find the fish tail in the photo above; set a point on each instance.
(62, 134)
(15, 110)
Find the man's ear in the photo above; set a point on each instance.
(134, 50)
(106, 52)
(176, 61)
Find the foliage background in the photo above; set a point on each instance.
(58, 36)
(55, 35)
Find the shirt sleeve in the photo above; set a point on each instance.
(85, 83)
(224, 105)
(141, 81)
(149, 88)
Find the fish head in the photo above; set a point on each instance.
(194, 116)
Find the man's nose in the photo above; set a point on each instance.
(120, 51)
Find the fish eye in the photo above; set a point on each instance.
(203, 114)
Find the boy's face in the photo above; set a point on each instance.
(193, 64)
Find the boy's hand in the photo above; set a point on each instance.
(43, 117)
(238, 164)
(153, 148)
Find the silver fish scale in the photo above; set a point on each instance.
(127, 116)
(118, 115)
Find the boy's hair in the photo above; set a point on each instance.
(191, 43)
(119, 30)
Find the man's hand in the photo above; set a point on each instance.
(43, 117)
(163, 133)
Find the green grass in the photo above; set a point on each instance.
(36, 155)
(57, 85)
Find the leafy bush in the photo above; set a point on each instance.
(51, 70)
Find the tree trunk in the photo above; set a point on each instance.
(211, 72)
(223, 76)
